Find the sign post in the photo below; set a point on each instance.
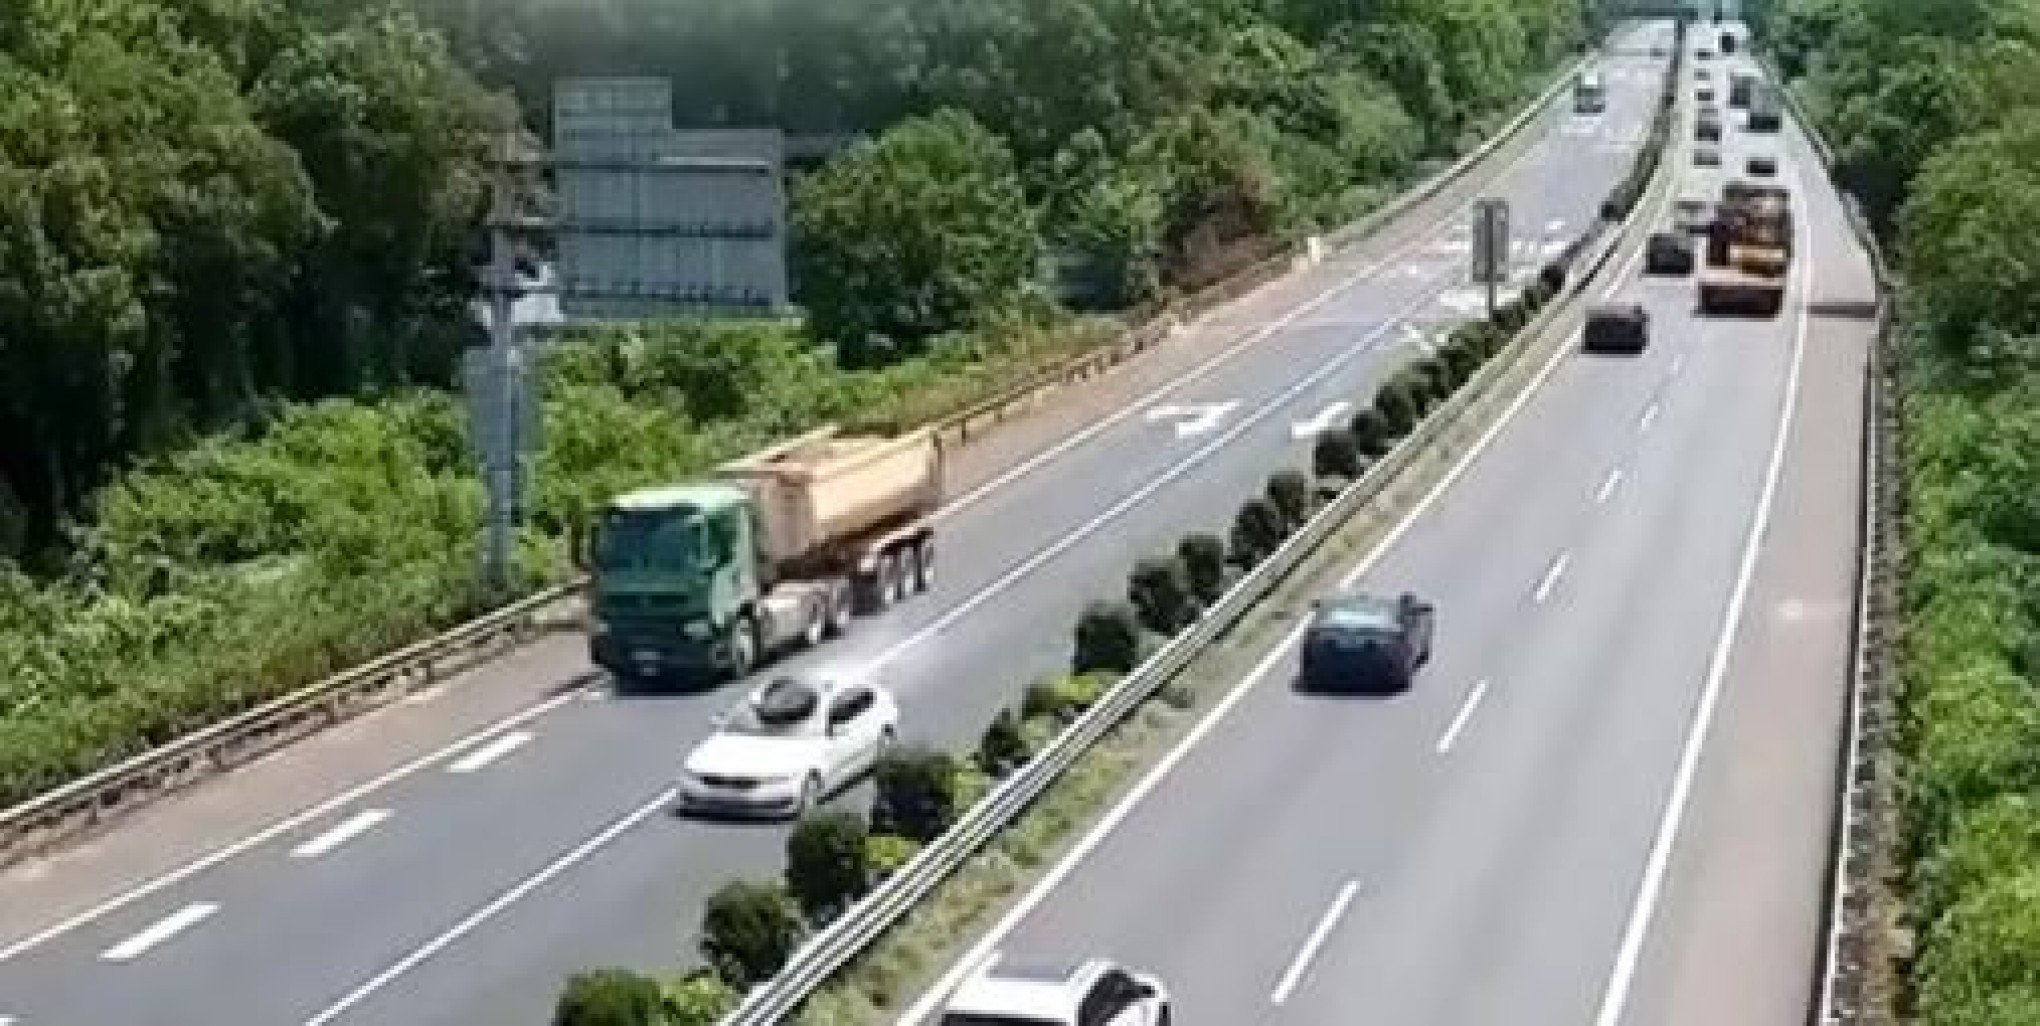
(1491, 246)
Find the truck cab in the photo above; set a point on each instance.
(668, 579)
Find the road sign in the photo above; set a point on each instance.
(1490, 241)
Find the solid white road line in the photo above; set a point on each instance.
(1465, 713)
(1294, 974)
(494, 907)
(349, 829)
(1551, 576)
(163, 929)
(481, 757)
(1608, 485)
(1649, 417)
(1623, 976)
(935, 994)
(283, 826)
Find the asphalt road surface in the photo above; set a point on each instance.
(1608, 798)
(450, 861)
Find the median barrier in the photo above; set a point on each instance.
(835, 945)
(73, 810)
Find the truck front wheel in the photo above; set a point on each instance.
(743, 648)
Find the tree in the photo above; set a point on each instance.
(701, 998)
(610, 997)
(1203, 556)
(1257, 530)
(1003, 748)
(921, 232)
(1159, 590)
(1335, 454)
(1289, 494)
(1966, 233)
(749, 929)
(825, 863)
(1107, 638)
(1397, 406)
(1371, 432)
(917, 794)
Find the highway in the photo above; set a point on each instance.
(1608, 798)
(449, 861)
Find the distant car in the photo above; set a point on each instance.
(1761, 167)
(1659, 51)
(1707, 130)
(1692, 215)
(1702, 74)
(1364, 642)
(1095, 992)
(1707, 156)
(1704, 94)
(1704, 54)
(1668, 253)
(787, 745)
(1616, 328)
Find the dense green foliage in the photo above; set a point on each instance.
(748, 930)
(609, 997)
(235, 243)
(1935, 112)
(825, 869)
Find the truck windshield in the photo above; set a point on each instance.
(665, 540)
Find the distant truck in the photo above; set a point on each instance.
(1749, 251)
(776, 550)
(1740, 86)
(1590, 94)
(1764, 103)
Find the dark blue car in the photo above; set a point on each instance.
(1362, 642)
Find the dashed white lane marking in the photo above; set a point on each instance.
(1552, 575)
(1608, 485)
(1465, 714)
(488, 753)
(1678, 364)
(349, 829)
(1294, 974)
(495, 906)
(162, 930)
(1649, 417)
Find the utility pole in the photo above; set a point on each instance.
(495, 382)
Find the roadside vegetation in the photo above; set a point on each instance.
(236, 240)
(1934, 110)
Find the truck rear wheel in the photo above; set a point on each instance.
(923, 554)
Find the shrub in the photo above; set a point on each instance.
(1463, 357)
(749, 929)
(1256, 531)
(1551, 277)
(1108, 638)
(1289, 493)
(1510, 315)
(1335, 454)
(1371, 433)
(1063, 698)
(1203, 557)
(609, 997)
(884, 854)
(700, 998)
(1399, 409)
(1160, 592)
(1437, 376)
(1002, 749)
(825, 863)
(1417, 385)
(916, 793)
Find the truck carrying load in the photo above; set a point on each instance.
(1749, 251)
(776, 549)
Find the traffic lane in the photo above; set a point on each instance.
(1286, 765)
(1509, 904)
(1742, 916)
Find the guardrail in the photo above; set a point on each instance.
(1840, 982)
(72, 810)
(828, 951)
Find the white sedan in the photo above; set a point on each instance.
(788, 745)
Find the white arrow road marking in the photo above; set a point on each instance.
(1193, 419)
(165, 928)
(1325, 420)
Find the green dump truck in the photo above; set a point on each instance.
(774, 551)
